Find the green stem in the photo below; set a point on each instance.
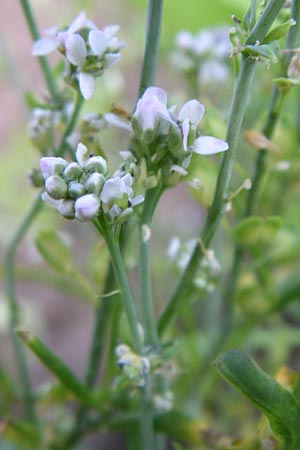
(9, 266)
(216, 211)
(71, 124)
(122, 281)
(151, 335)
(268, 130)
(45, 68)
(153, 27)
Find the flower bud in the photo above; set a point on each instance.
(96, 164)
(72, 172)
(66, 209)
(50, 165)
(76, 190)
(56, 187)
(94, 183)
(87, 207)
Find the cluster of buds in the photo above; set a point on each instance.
(80, 189)
(134, 367)
(205, 53)
(88, 50)
(167, 139)
(209, 269)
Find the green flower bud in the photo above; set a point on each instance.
(66, 209)
(76, 190)
(96, 164)
(56, 187)
(150, 182)
(94, 183)
(72, 172)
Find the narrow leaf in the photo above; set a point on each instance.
(277, 403)
(57, 367)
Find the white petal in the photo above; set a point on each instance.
(80, 22)
(98, 42)
(127, 179)
(51, 201)
(82, 154)
(111, 30)
(178, 169)
(192, 110)
(76, 49)
(137, 200)
(156, 92)
(114, 120)
(208, 145)
(86, 84)
(111, 59)
(44, 46)
(185, 133)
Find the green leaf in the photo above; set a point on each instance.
(54, 251)
(266, 51)
(57, 367)
(257, 231)
(277, 403)
(279, 31)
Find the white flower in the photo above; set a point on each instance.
(87, 207)
(151, 108)
(56, 39)
(115, 188)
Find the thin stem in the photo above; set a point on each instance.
(71, 124)
(45, 68)
(9, 265)
(153, 27)
(122, 281)
(216, 211)
(151, 199)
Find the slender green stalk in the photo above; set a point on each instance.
(45, 68)
(14, 310)
(153, 27)
(71, 124)
(268, 130)
(151, 199)
(216, 211)
(121, 277)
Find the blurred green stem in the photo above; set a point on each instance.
(9, 268)
(150, 202)
(277, 99)
(153, 27)
(218, 207)
(45, 68)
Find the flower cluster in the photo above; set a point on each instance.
(167, 139)
(88, 50)
(80, 189)
(134, 367)
(205, 52)
(209, 269)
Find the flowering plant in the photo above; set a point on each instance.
(149, 373)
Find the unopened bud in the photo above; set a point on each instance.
(72, 172)
(94, 183)
(56, 187)
(66, 209)
(96, 164)
(50, 165)
(76, 190)
(87, 207)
